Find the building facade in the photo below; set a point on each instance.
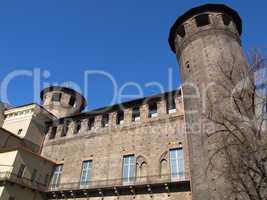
(142, 149)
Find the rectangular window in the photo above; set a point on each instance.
(72, 101)
(128, 169)
(56, 176)
(120, 117)
(171, 106)
(136, 114)
(177, 164)
(91, 123)
(152, 110)
(104, 121)
(202, 20)
(65, 129)
(226, 19)
(56, 97)
(34, 174)
(53, 133)
(21, 170)
(78, 127)
(86, 173)
(181, 31)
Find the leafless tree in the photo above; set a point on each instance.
(240, 153)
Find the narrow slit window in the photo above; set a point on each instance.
(202, 20)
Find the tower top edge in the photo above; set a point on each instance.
(64, 90)
(200, 9)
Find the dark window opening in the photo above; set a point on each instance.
(136, 114)
(181, 31)
(72, 101)
(65, 130)
(91, 123)
(104, 121)
(46, 180)
(202, 20)
(120, 117)
(34, 175)
(152, 110)
(56, 97)
(20, 131)
(171, 106)
(21, 170)
(78, 127)
(226, 20)
(53, 133)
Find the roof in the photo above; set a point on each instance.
(66, 90)
(200, 9)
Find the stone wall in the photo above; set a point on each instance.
(150, 138)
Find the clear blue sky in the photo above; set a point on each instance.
(127, 38)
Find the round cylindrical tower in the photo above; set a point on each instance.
(62, 101)
(206, 41)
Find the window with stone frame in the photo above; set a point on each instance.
(55, 181)
(72, 101)
(120, 117)
(177, 164)
(170, 104)
(78, 127)
(152, 109)
(128, 169)
(56, 97)
(105, 120)
(53, 132)
(91, 123)
(136, 114)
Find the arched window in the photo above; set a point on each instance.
(163, 167)
(143, 169)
